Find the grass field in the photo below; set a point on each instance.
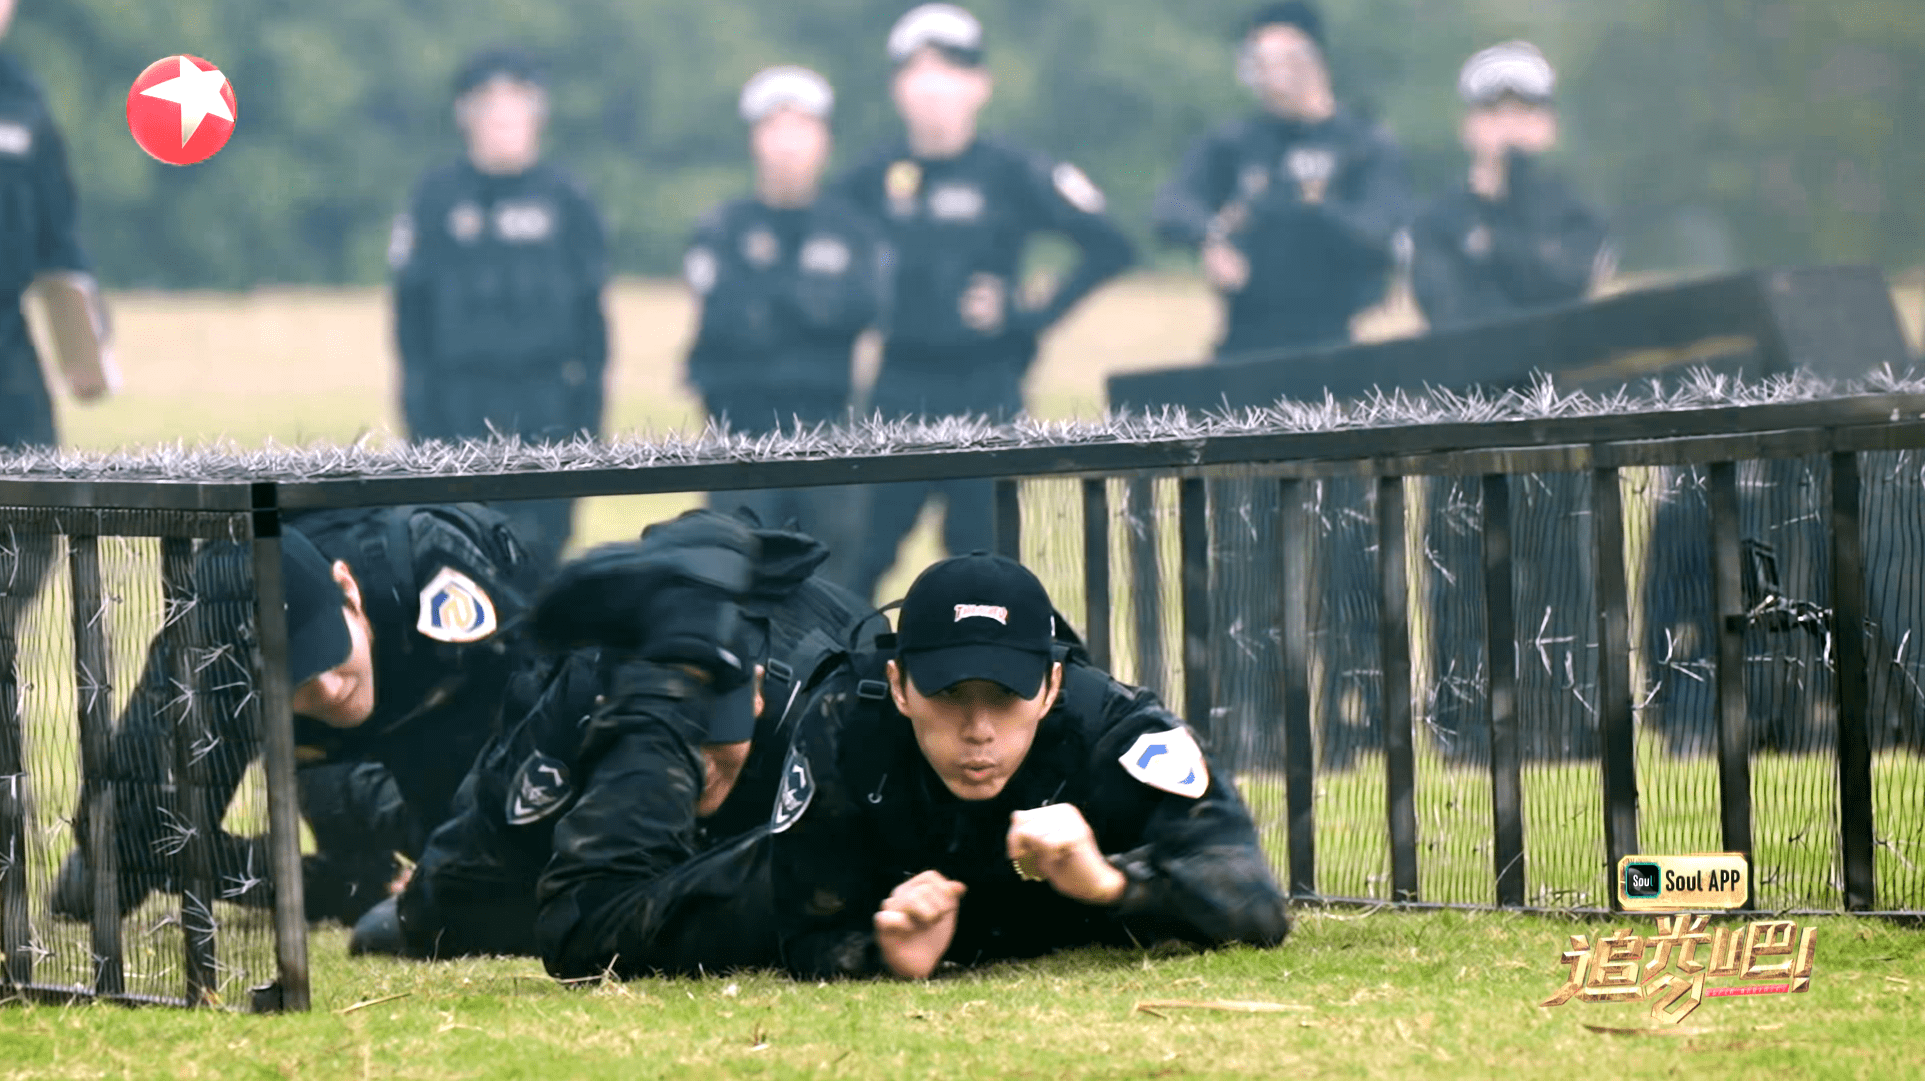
(1372, 993)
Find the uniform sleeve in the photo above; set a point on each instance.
(1196, 871)
(442, 538)
(413, 300)
(824, 874)
(589, 243)
(703, 269)
(641, 773)
(1548, 248)
(1069, 203)
(58, 246)
(1438, 277)
(1369, 209)
(1185, 206)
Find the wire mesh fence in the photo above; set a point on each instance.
(131, 819)
(1295, 576)
(1459, 662)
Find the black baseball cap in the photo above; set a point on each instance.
(978, 616)
(1298, 13)
(501, 61)
(317, 625)
(732, 715)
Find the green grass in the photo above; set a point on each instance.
(1387, 995)
(1794, 827)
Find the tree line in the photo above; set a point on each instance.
(1718, 133)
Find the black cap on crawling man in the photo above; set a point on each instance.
(330, 639)
(977, 616)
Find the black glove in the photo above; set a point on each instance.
(670, 598)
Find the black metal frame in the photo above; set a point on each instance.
(83, 522)
(1841, 428)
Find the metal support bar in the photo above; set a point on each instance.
(1857, 841)
(1500, 647)
(93, 675)
(16, 934)
(1393, 641)
(276, 719)
(189, 731)
(1193, 527)
(1096, 570)
(1615, 734)
(1728, 601)
(1146, 584)
(1009, 519)
(1299, 744)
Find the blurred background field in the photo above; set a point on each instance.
(297, 365)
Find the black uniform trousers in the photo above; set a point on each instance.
(536, 404)
(832, 515)
(930, 383)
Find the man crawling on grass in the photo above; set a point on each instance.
(980, 791)
(968, 790)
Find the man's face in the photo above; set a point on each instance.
(791, 148)
(502, 121)
(343, 696)
(976, 733)
(1510, 124)
(1285, 66)
(937, 98)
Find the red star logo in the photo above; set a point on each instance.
(181, 110)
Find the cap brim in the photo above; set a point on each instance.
(732, 720)
(937, 670)
(321, 643)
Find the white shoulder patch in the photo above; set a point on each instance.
(796, 793)
(16, 140)
(1170, 761)
(1077, 188)
(455, 609)
(700, 268)
(401, 241)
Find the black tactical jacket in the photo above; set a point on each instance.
(861, 811)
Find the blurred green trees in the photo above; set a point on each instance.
(1718, 132)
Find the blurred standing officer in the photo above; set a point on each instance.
(39, 248)
(39, 245)
(960, 210)
(1516, 236)
(787, 279)
(499, 265)
(1294, 211)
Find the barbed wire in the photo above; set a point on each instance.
(876, 436)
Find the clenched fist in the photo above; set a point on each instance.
(916, 922)
(1056, 843)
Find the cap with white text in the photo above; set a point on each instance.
(977, 616)
(1513, 69)
(787, 86)
(950, 30)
